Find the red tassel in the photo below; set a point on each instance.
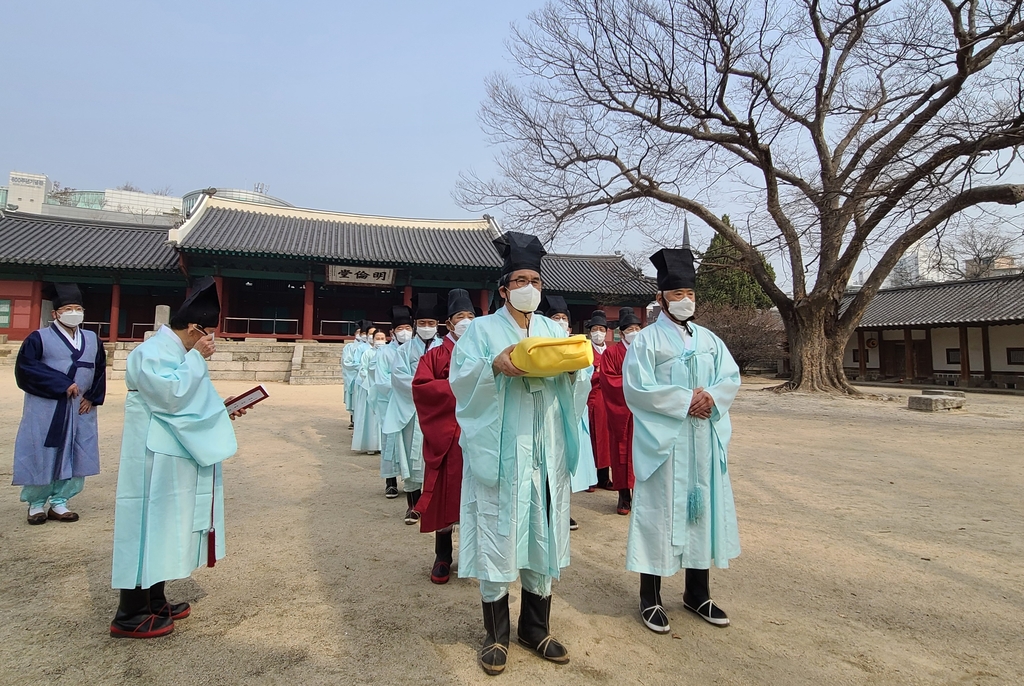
(211, 548)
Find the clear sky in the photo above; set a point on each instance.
(366, 107)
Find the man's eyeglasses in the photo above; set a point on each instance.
(523, 282)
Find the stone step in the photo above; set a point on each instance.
(309, 373)
(313, 381)
(324, 366)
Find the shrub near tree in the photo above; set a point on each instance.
(733, 305)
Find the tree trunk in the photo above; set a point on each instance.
(815, 353)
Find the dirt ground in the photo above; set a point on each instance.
(880, 546)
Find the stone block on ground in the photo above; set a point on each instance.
(935, 403)
(942, 391)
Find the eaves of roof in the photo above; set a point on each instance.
(958, 303)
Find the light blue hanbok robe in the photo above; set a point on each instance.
(366, 426)
(404, 437)
(586, 469)
(176, 434)
(520, 444)
(675, 455)
(351, 355)
(389, 469)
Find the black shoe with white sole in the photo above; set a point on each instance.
(573, 526)
(391, 488)
(708, 611)
(651, 610)
(697, 598)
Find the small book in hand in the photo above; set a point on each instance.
(246, 400)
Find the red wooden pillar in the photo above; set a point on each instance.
(965, 358)
(37, 305)
(115, 311)
(485, 300)
(407, 296)
(222, 299)
(986, 353)
(307, 311)
(908, 352)
(862, 354)
(643, 315)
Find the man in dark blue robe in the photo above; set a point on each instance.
(62, 369)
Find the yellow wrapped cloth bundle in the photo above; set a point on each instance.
(541, 356)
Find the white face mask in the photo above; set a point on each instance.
(628, 337)
(403, 336)
(72, 318)
(525, 299)
(682, 309)
(564, 324)
(426, 332)
(462, 327)
(379, 344)
(597, 337)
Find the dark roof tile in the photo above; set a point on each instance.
(946, 304)
(31, 239)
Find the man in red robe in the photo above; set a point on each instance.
(620, 419)
(599, 438)
(442, 456)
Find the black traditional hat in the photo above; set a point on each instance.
(202, 307)
(400, 315)
(519, 251)
(61, 294)
(459, 301)
(598, 318)
(556, 305)
(675, 265)
(365, 325)
(627, 318)
(426, 306)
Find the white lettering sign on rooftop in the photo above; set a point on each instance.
(360, 276)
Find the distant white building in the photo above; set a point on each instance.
(919, 264)
(35, 193)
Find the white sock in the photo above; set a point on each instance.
(36, 510)
(59, 509)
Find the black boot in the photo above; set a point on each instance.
(442, 556)
(625, 501)
(533, 631)
(159, 605)
(697, 598)
(134, 619)
(652, 612)
(604, 479)
(391, 487)
(411, 515)
(494, 652)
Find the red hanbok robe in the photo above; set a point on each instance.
(599, 438)
(620, 419)
(442, 456)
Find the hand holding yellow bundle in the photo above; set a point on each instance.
(541, 356)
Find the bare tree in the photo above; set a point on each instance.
(129, 186)
(845, 127)
(62, 195)
(979, 251)
(163, 190)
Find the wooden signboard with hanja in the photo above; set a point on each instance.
(246, 400)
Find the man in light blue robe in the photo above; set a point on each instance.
(366, 432)
(519, 441)
(679, 381)
(365, 422)
(400, 425)
(62, 369)
(350, 356)
(585, 476)
(387, 357)
(358, 400)
(169, 514)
